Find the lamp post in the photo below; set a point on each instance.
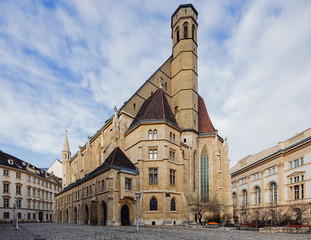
(16, 214)
(137, 197)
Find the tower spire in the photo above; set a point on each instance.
(66, 147)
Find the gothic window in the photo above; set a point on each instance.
(193, 31)
(153, 175)
(273, 192)
(174, 137)
(234, 199)
(244, 198)
(204, 173)
(153, 204)
(150, 134)
(257, 198)
(155, 134)
(173, 205)
(177, 35)
(186, 30)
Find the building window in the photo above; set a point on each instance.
(301, 161)
(6, 202)
(134, 107)
(153, 175)
(18, 175)
(296, 192)
(87, 190)
(18, 189)
(103, 185)
(273, 192)
(174, 137)
(128, 184)
(28, 216)
(296, 163)
(29, 178)
(173, 205)
(38, 193)
(150, 134)
(34, 180)
(6, 215)
(172, 177)
(234, 199)
(33, 216)
(193, 30)
(165, 86)
(153, 154)
(290, 164)
(34, 193)
(38, 181)
(153, 204)
(172, 156)
(28, 204)
(28, 192)
(257, 195)
(177, 34)
(302, 191)
(5, 187)
(244, 198)
(186, 31)
(19, 203)
(5, 172)
(155, 134)
(176, 109)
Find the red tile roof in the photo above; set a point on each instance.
(155, 108)
(205, 123)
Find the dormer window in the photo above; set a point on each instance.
(10, 161)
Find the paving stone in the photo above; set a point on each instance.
(66, 231)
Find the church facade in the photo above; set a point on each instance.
(157, 149)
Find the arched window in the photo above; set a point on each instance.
(170, 136)
(244, 198)
(150, 134)
(273, 192)
(186, 30)
(234, 199)
(174, 137)
(204, 173)
(153, 204)
(177, 34)
(173, 205)
(193, 31)
(257, 197)
(155, 134)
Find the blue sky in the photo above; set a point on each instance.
(66, 64)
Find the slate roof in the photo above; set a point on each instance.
(116, 159)
(205, 123)
(155, 108)
(14, 162)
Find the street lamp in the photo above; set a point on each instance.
(137, 197)
(16, 214)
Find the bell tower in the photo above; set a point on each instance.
(184, 67)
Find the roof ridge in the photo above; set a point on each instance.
(162, 104)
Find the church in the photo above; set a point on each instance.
(155, 151)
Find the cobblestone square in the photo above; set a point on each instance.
(65, 231)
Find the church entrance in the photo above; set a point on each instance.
(125, 215)
(41, 216)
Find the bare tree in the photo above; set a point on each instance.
(204, 204)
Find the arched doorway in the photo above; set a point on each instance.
(125, 215)
(41, 216)
(75, 216)
(104, 214)
(86, 215)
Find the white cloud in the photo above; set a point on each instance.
(67, 66)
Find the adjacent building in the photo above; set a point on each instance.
(274, 184)
(32, 189)
(161, 144)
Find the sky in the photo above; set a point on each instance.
(66, 64)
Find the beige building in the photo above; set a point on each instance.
(34, 188)
(275, 183)
(165, 147)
